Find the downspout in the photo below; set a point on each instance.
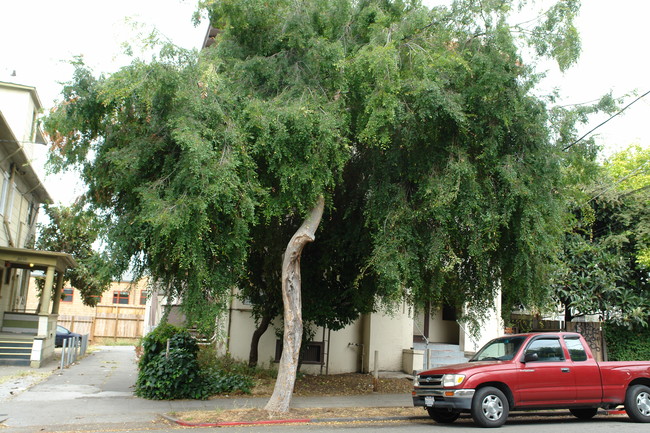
(5, 218)
(232, 307)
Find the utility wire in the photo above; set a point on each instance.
(620, 181)
(611, 117)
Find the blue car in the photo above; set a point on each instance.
(63, 334)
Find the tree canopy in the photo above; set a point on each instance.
(424, 117)
(74, 230)
(604, 270)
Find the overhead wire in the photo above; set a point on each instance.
(610, 118)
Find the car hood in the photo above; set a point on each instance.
(464, 367)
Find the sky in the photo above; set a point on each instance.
(38, 38)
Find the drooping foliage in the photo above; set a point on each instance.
(74, 230)
(418, 126)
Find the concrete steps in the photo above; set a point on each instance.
(15, 349)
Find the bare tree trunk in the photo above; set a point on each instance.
(291, 298)
(255, 341)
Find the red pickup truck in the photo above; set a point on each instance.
(533, 371)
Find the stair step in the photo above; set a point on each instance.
(16, 348)
(16, 343)
(11, 350)
(15, 361)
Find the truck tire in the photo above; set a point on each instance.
(637, 403)
(443, 416)
(489, 407)
(584, 413)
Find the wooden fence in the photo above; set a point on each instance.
(114, 321)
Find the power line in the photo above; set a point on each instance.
(620, 181)
(610, 118)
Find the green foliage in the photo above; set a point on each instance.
(176, 373)
(73, 230)
(155, 342)
(625, 344)
(630, 171)
(208, 359)
(603, 270)
(418, 126)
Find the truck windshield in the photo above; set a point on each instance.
(501, 349)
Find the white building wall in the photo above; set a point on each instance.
(19, 107)
(345, 350)
(491, 328)
(389, 335)
(442, 331)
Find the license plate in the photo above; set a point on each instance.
(429, 401)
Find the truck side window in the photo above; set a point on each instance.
(577, 351)
(547, 350)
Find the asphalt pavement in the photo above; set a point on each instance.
(98, 389)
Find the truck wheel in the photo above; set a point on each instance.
(584, 413)
(637, 403)
(442, 416)
(489, 407)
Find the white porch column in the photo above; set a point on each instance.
(47, 292)
(57, 293)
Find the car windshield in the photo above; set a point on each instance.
(501, 349)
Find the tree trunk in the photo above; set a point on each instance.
(261, 329)
(291, 298)
(568, 317)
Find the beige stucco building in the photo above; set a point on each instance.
(26, 337)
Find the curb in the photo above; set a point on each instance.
(326, 420)
(289, 421)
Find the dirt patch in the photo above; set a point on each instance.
(337, 384)
(315, 385)
(253, 415)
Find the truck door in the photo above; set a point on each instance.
(585, 371)
(547, 378)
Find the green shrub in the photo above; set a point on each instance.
(177, 373)
(624, 344)
(155, 342)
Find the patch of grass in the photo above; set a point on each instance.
(32, 375)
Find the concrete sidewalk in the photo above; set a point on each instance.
(99, 390)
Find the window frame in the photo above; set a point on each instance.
(319, 346)
(536, 340)
(582, 346)
(119, 296)
(65, 296)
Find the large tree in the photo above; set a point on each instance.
(74, 230)
(424, 117)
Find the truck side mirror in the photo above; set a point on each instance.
(531, 357)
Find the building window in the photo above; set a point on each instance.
(68, 295)
(312, 354)
(143, 297)
(120, 297)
